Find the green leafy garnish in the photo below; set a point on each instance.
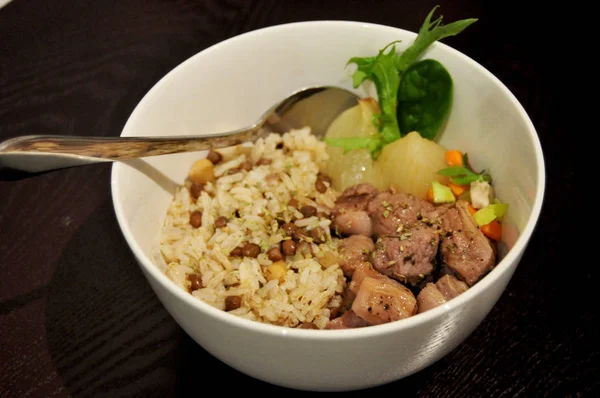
(382, 72)
(464, 175)
(386, 71)
(424, 98)
(429, 33)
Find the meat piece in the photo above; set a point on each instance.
(450, 286)
(354, 198)
(464, 248)
(429, 297)
(408, 257)
(353, 250)
(349, 214)
(379, 299)
(353, 223)
(348, 320)
(383, 300)
(392, 212)
(362, 271)
(433, 216)
(435, 294)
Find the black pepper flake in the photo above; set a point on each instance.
(369, 309)
(386, 307)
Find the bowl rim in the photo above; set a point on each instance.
(512, 257)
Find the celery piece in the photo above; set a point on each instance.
(442, 193)
(490, 213)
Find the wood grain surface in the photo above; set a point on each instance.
(77, 317)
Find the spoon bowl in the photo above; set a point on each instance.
(314, 107)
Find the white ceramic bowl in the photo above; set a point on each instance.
(228, 86)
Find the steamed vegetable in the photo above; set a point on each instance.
(491, 212)
(411, 163)
(457, 190)
(482, 194)
(348, 168)
(493, 230)
(426, 86)
(442, 193)
(454, 158)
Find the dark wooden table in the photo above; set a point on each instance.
(77, 317)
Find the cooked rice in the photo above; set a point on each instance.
(253, 201)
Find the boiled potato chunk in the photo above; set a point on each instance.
(411, 163)
(355, 166)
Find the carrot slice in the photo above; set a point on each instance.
(457, 190)
(429, 195)
(492, 230)
(454, 158)
(471, 209)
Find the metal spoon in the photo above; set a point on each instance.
(314, 107)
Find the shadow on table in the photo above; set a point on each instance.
(110, 336)
(8, 174)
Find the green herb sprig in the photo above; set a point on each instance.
(464, 175)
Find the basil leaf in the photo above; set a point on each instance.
(454, 171)
(424, 98)
(460, 175)
(464, 179)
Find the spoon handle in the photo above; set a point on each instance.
(36, 153)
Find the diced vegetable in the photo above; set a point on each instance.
(454, 158)
(429, 195)
(492, 230)
(277, 270)
(471, 209)
(482, 194)
(442, 193)
(352, 167)
(327, 259)
(489, 213)
(202, 171)
(457, 190)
